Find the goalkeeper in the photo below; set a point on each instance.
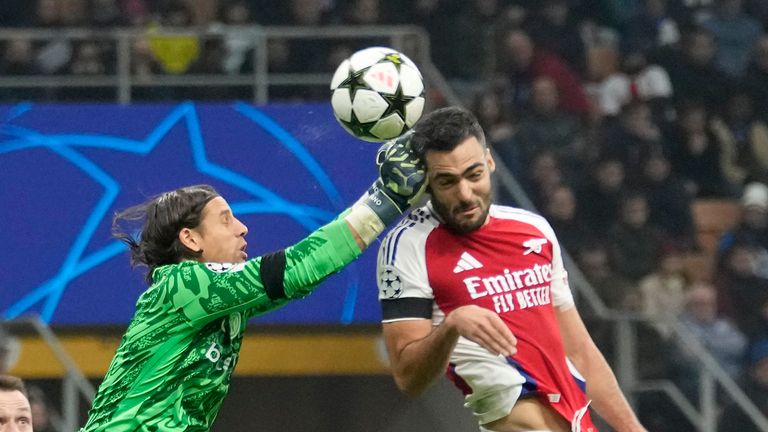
(173, 366)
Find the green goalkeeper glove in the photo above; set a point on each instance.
(401, 183)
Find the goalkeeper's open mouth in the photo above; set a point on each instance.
(243, 252)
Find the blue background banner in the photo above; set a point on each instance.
(66, 169)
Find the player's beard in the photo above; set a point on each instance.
(451, 218)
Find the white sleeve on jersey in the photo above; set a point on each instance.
(562, 297)
(401, 265)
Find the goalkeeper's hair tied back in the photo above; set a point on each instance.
(156, 242)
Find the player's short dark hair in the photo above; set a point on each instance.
(10, 383)
(163, 216)
(444, 129)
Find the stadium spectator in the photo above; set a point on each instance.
(616, 291)
(756, 77)
(542, 176)
(469, 57)
(174, 364)
(174, 52)
(9, 350)
(742, 291)
(554, 27)
(606, 185)
(756, 388)
(15, 413)
(441, 318)
(637, 80)
(545, 127)
(752, 228)
(669, 201)
(41, 410)
(743, 138)
(653, 27)
(735, 34)
(560, 208)
(662, 292)
(523, 63)
(632, 138)
(692, 69)
(635, 244)
(718, 335)
(695, 153)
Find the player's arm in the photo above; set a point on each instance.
(270, 281)
(419, 353)
(602, 387)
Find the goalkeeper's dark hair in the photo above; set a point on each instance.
(444, 129)
(162, 216)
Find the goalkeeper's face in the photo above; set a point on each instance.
(460, 184)
(220, 236)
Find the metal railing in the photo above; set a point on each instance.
(412, 40)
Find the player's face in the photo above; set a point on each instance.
(15, 413)
(221, 236)
(460, 184)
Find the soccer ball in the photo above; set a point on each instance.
(377, 94)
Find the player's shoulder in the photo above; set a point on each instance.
(517, 214)
(418, 223)
(523, 216)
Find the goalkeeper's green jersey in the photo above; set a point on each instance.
(173, 366)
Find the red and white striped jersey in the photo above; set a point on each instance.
(512, 265)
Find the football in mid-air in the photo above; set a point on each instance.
(377, 94)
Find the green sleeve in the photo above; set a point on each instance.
(206, 291)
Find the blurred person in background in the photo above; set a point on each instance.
(663, 291)
(735, 34)
(752, 227)
(546, 127)
(743, 137)
(479, 291)
(635, 245)
(742, 290)
(721, 338)
(653, 27)
(696, 153)
(669, 201)
(15, 412)
(756, 77)
(554, 27)
(523, 62)
(40, 407)
(693, 71)
(606, 185)
(174, 364)
(560, 208)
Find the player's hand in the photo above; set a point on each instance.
(483, 327)
(402, 179)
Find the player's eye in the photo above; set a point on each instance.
(25, 421)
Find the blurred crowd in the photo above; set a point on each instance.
(617, 116)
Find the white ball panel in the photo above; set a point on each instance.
(367, 57)
(413, 111)
(410, 81)
(368, 105)
(388, 127)
(342, 104)
(382, 77)
(342, 72)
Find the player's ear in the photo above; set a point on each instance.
(489, 160)
(190, 240)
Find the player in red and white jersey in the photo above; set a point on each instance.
(479, 291)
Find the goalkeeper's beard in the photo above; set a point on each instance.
(452, 214)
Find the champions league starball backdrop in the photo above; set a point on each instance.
(66, 169)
